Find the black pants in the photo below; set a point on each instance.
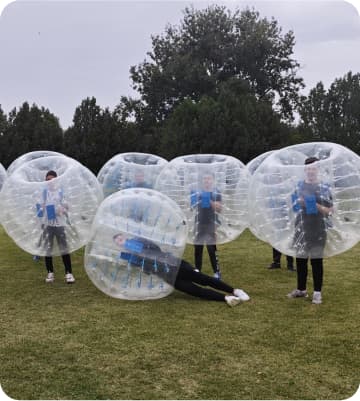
(187, 281)
(50, 233)
(66, 260)
(212, 251)
(277, 257)
(302, 272)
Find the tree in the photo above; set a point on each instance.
(333, 115)
(210, 47)
(3, 130)
(97, 135)
(29, 129)
(236, 123)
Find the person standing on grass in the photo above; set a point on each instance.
(152, 260)
(276, 261)
(207, 202)
(54, 212)
(312, 202)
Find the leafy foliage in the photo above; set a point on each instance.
(235, 122)
(333, 115)
(28, 129)
(210, 47)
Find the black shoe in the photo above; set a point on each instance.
(291, 268)
(274, 266)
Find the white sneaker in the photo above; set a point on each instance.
(50, 278)
(298, 294)
(231, 300)
(241, 294)
(197, 270)
(69, 278)
(317, 299)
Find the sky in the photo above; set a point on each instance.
(57, 53)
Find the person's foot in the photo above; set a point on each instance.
(217, 275)
(241, 294)
(197, 270)
(291, 268)
(317, 299)
(298, 294)
(274, 265)
(50, 278)
(231, 300)
(69, 278)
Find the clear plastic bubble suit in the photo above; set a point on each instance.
(3, 175)
(212, 192)
(252, 166)
(130, 170)
(27, 157)
(50, 218)
(137, 241)
(308, 210)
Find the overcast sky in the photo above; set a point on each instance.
(56, 54)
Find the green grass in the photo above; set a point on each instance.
(73, 342)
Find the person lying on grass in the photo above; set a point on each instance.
(142, 252)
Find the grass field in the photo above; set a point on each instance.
(73, 342)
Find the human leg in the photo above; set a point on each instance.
(276, 259)
(318, 272)
(197, 291)
(49, 264)
(301, 268)
(212, 251)
(198, 255)
(302, 271)
(290, 263)
(186, 272)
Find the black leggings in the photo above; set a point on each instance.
(66, 260)
(277, 257)
(302, 271)
(212, 251)
(187, 280)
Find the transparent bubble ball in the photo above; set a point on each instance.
(310, 210)
(252, 166)
(27, 157)
(130, 170)
(137, 241)
(50, 218)
(212, 192)
(3, 175)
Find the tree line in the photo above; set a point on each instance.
(219, 82)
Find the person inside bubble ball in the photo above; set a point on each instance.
(313, 205)
(142, 252)
(138, 181)
(53, 211)
(207, 202)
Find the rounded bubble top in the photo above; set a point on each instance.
(253, 164)
(3, 175)
(27, 157)
(130, 170)
(305, 200)
(211, 189)
(137, 240)
(30, 204)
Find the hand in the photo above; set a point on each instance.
(216, 205)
